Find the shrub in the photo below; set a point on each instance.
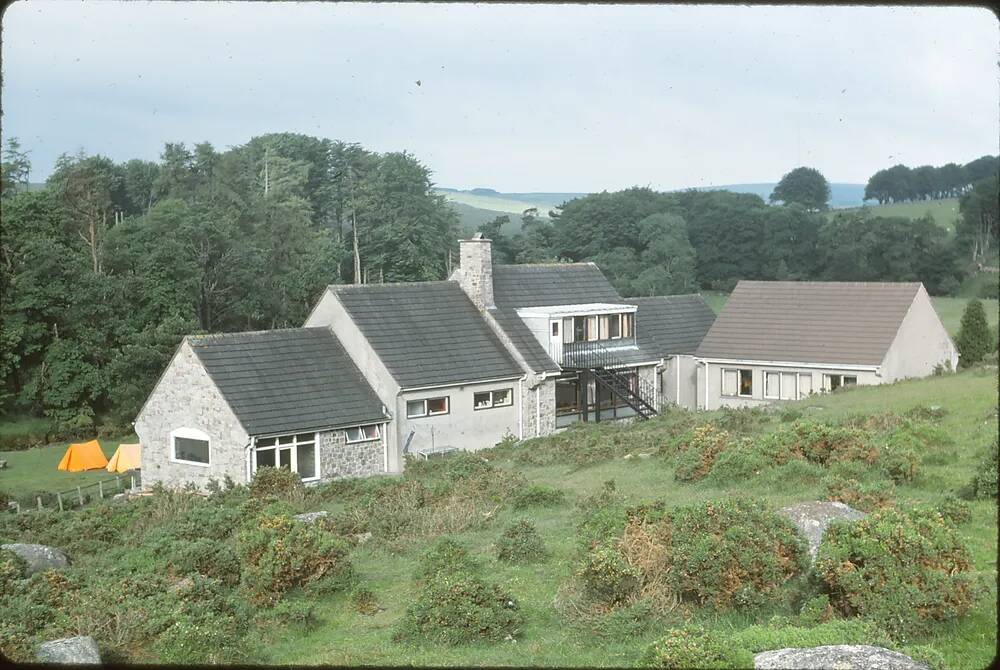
(12, 568)
(695, 647)
(738, 464)
(733, 553)
(446, 557)
(364, 601)
(277, 482)
(899, 460)
(954, 510)
(521, 543)
(279, 554)
(199, 640)
(460, 608)
(608, 577)
(537, 496)
(900, 569)
(816, 610)
(821, 443)
(984, 483)
(207, 557)
(868, 496)
(621, 623)
(700, 450)
(299, 613)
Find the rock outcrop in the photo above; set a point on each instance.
(812, 518)
(70, 651)
(38, 557)
(838, 656)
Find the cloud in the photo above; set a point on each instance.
(516, 97)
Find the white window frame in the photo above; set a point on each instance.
(798, 391)
(362, 427)
(493, 403)
(786, 394)
(738, 394)
(189, 434)
(424, 403)
(778, 393)
(294, 445)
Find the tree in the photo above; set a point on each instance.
(978, 229)
(14, 168)
(86, 186)
(805, 186)
(668, 258)
(973, 339)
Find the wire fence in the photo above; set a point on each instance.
(80, 496)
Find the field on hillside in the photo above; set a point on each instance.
(948, 309)
(496, 203)
(185, 579)
(34, 470)
(944, 212)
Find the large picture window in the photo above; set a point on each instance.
(834, 382)
(298, 453)
(737, 382)
(191, 446)
(427, 407)
(597, 327)
(490, 399)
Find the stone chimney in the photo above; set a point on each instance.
(476, 266)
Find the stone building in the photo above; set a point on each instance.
(382, 370)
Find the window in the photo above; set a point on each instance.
(298, 453)
(772, 384)
(427, 407)
(788, 385)
(592, 333)
(730, 381)
(363, 433)
(805, 384)
(579, 328)
(834, 382)
(568, 405)
(567, 327)
(555, 329)
(488, 399)
(615, 326)
(746, 382)
(628, 324)
(190, 446)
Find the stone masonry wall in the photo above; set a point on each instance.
(186, 397)
(338, 459)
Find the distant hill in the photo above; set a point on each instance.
(841, 195)
(944, 212)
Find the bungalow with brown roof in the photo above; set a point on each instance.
(776, 341)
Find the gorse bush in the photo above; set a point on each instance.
(866, 496)
(444, 557)
(695, 647)
(521, 543)
(277, 482)
(984, 482)
(699, 450)
(459, 609)
(954, 510)
(899, 569)
(725, 554)
(278, 554)
(537, 495)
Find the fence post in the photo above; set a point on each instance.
(59, 498)
(38, 499)
(100, 490)
(79, 494)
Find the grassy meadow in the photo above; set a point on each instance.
(944, 212)
(32, 470)
(575, 463)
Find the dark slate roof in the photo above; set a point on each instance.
(427, 333)
(672, 324)
(286, 381)
(539, 285)
(551, 284)
(812, 322)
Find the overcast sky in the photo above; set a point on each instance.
(514, 97)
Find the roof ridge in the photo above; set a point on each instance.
(339, 287)
(220, 336)
(543, 265)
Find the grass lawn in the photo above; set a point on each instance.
(35, 470)
(944, 212)
(346, 637)
(949, 309)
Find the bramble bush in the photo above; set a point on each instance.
(458, 609)
(521, 543)
(901, 569)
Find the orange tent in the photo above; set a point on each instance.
(85, 456)
(125, 459)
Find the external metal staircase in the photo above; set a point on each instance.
(605, 366)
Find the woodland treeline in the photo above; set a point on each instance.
(108, 266)
(904, 184)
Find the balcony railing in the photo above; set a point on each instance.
(581, 354)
